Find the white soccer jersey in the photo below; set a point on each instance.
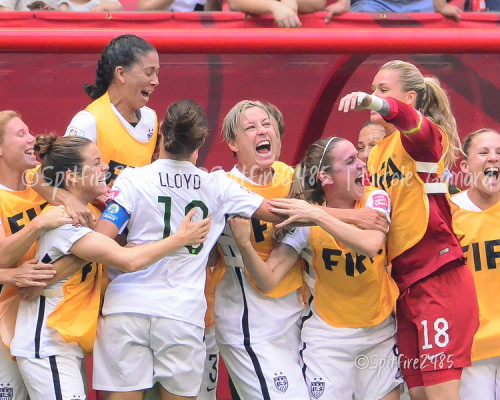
(463, 200)
(241, 311)
(32, 337)
(157, 197)
(84, 124)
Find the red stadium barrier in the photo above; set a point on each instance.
(263, 41)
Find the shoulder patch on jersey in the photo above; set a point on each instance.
(380, 201)
(113, 194)
(75, 132)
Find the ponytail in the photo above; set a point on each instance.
(432, 101)
(435, 105)
(122, 51)
(184, 128)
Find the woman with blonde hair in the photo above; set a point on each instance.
(437, 312)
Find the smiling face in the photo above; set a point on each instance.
(92, 178)
(346, 177)
(257, 143)
(483, 164)
(140, 80)
(16, 149)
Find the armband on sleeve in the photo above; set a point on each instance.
(116, 214)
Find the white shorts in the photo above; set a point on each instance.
(481, 380)
(208, 388)
(267, 370)
(348, 363)
(133, 351)
(53, 378)
(11, 382)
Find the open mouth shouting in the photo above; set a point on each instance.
(263, 147)
(31, 154)
(491, 175)
(360, 180)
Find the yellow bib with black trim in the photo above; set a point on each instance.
(261, 236)
(17, 209)
(75, 317)
(394, 170)
(351, 290)
(481, 245)
(118, 148)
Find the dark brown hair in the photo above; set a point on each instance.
(305, 183)
(184, 128)
(58, 155)
(122, 51)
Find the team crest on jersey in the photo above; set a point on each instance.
(317, 388)
(281, 382)
(6, 392)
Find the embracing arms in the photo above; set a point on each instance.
(103, 249)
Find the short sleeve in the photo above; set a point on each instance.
(298, 238)
(63, 238)
(237, 199)
(83, 124)
(123, 190)
(379, 200)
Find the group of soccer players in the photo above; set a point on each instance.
(317, 286)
